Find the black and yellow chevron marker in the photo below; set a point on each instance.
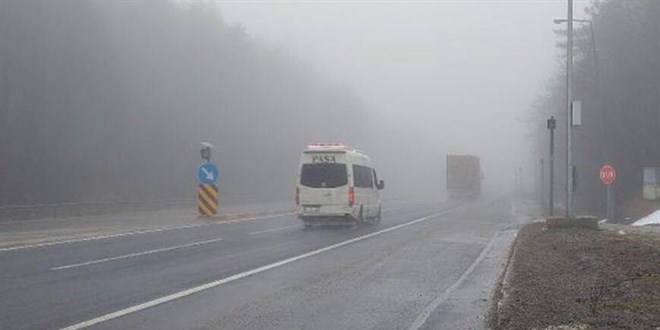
(207, 199)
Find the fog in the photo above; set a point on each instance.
(107, 100)
(444, 77)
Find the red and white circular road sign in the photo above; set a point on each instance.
(607, 174)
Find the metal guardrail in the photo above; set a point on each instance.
(57, 210)
(29, 206)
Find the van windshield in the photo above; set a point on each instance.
(327, 175)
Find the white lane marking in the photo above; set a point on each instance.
(225, 280)
(136, 254)
(136, 232)
(426, 313)
(272, 230)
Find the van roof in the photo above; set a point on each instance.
(334, 148)
(326, 147)
(330, 147)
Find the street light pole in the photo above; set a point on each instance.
(569, 96)
(569, 112)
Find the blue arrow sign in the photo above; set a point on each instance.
(208, 173)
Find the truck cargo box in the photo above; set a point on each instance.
(463, 176)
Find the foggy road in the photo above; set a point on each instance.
(163, 163)
(264, 273)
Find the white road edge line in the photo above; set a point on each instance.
(136, 232)
(430, 308)
(136, 254)
(272, 230)
(222, 281)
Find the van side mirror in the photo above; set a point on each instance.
(381, 185)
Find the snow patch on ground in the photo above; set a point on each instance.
(651, 219)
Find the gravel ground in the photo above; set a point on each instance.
(576, 278)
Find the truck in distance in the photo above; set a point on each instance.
(463, 176)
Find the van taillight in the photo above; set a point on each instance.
(297, 196)
(351, 196)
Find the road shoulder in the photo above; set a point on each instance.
(45, 232)
(466, 306)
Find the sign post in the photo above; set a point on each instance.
(207, 192)
(551, 125)
(607, 176)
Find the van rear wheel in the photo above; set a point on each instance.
(360, 218)
(378, 215)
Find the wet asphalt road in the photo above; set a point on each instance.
(442, 258)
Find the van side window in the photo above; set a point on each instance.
(363, 176)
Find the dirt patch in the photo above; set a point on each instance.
(578, 278)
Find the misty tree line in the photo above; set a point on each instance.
(617, 78)
(105, 100)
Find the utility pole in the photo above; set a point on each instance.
(552, 124)
(541, 187)
(569, 112)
